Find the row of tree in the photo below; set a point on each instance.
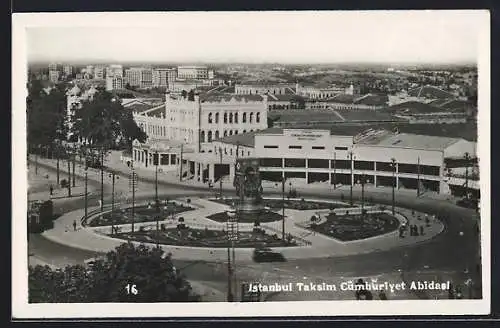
(127, 274)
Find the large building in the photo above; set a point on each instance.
(261, 88)
(141, 77)
(382, 158)
(114, 70)
(322, 90)
(115, 82)
(192, 72)
(99, 72)
(198, 121)
(162, 77)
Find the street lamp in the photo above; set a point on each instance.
(393, 165)
(156, 161)
(232, 235)
(362, 180)
(283, 208)
(113, 176)
(86, 192)
(352, 182)
(220, 178)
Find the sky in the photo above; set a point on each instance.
(257, 37)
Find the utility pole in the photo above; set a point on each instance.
(157, 204)
(283, 208)
(86, 192)
(467, 175)
(57, 163)
(180, 162)
(220, 177)
(393, 164)
(334, 171)
(102, 179)
(74, 178)
(352, 178)
(36, 159)
(133, 195)
(113, 203)
(418, 176)
(69, 177)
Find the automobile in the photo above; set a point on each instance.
(267, 255)
(468, 203)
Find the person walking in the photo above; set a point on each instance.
(51, 189)
(74, 225)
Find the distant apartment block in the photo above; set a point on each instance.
(99, 72)
(192, 72)
(54, 76)
(114, 70)
(68, 70)
(114, 82)
(162, 77)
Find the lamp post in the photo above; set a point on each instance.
(133, 178)
(220, 178)
(362, 180)
(180, 162)
(283, 208)
(69, 174)
(57, 161)
(156, 161)
(86, 192)
(352, 179)
(102, 178)
(393, 165)
(334, 171)
(232, 235)
(418, 176)
(73, 160)
(467, 175)
(113, 176)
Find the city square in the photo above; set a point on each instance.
(203, 181)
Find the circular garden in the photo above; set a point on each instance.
(144, 213)
(205, 238)
(356, 226)
(293, 204)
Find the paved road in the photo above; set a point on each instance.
(447, 252)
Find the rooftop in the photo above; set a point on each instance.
(212, 97)
(372, 100)
(416, 141)
(414, 107)
(430, 92)
(247, 139)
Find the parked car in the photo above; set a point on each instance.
(267, 255)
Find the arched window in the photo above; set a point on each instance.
(235, 131)
(209, 117)
(257, 117)
(230, 151)
(216, 117)
(209, 136)
(230, 132)
(225, 133)
(251, 118)
(217, 134)
(225, 117)
(244, 117)
(235, 117)
(244, 131)
(230, 117)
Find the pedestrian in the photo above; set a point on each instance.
(51, 190)
(421, 230)
(74, 225)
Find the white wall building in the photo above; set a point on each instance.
(192, 72)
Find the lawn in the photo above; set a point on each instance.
(265, 216)
(294, 204)
(145, 213)
(203, 238)
(355, 227)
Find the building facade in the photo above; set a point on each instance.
(192, 72)
(260, 89)
(321, 91)
(115, 82)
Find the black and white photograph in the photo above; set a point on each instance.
(274, 163)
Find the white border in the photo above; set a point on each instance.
(21, 308)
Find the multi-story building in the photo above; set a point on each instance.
(54, 67)
(54, 76)
(199, 121)
(192, 72)
(321, 90)
(114, 70)
(260, 89)
(68, 70)
(162, 77)
(139, 77)
(114, 82)
(99, 72)
(89, 69)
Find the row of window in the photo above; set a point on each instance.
(210, 136)
(300, 147)
(233, 118)
(346, 164)
(154, 129)
(165, 159)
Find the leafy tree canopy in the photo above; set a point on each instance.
(152, 273)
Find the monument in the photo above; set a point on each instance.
(248, 186)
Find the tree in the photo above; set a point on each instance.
(184, 93)
(153, 274)
(46, 113)
(103, 122)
